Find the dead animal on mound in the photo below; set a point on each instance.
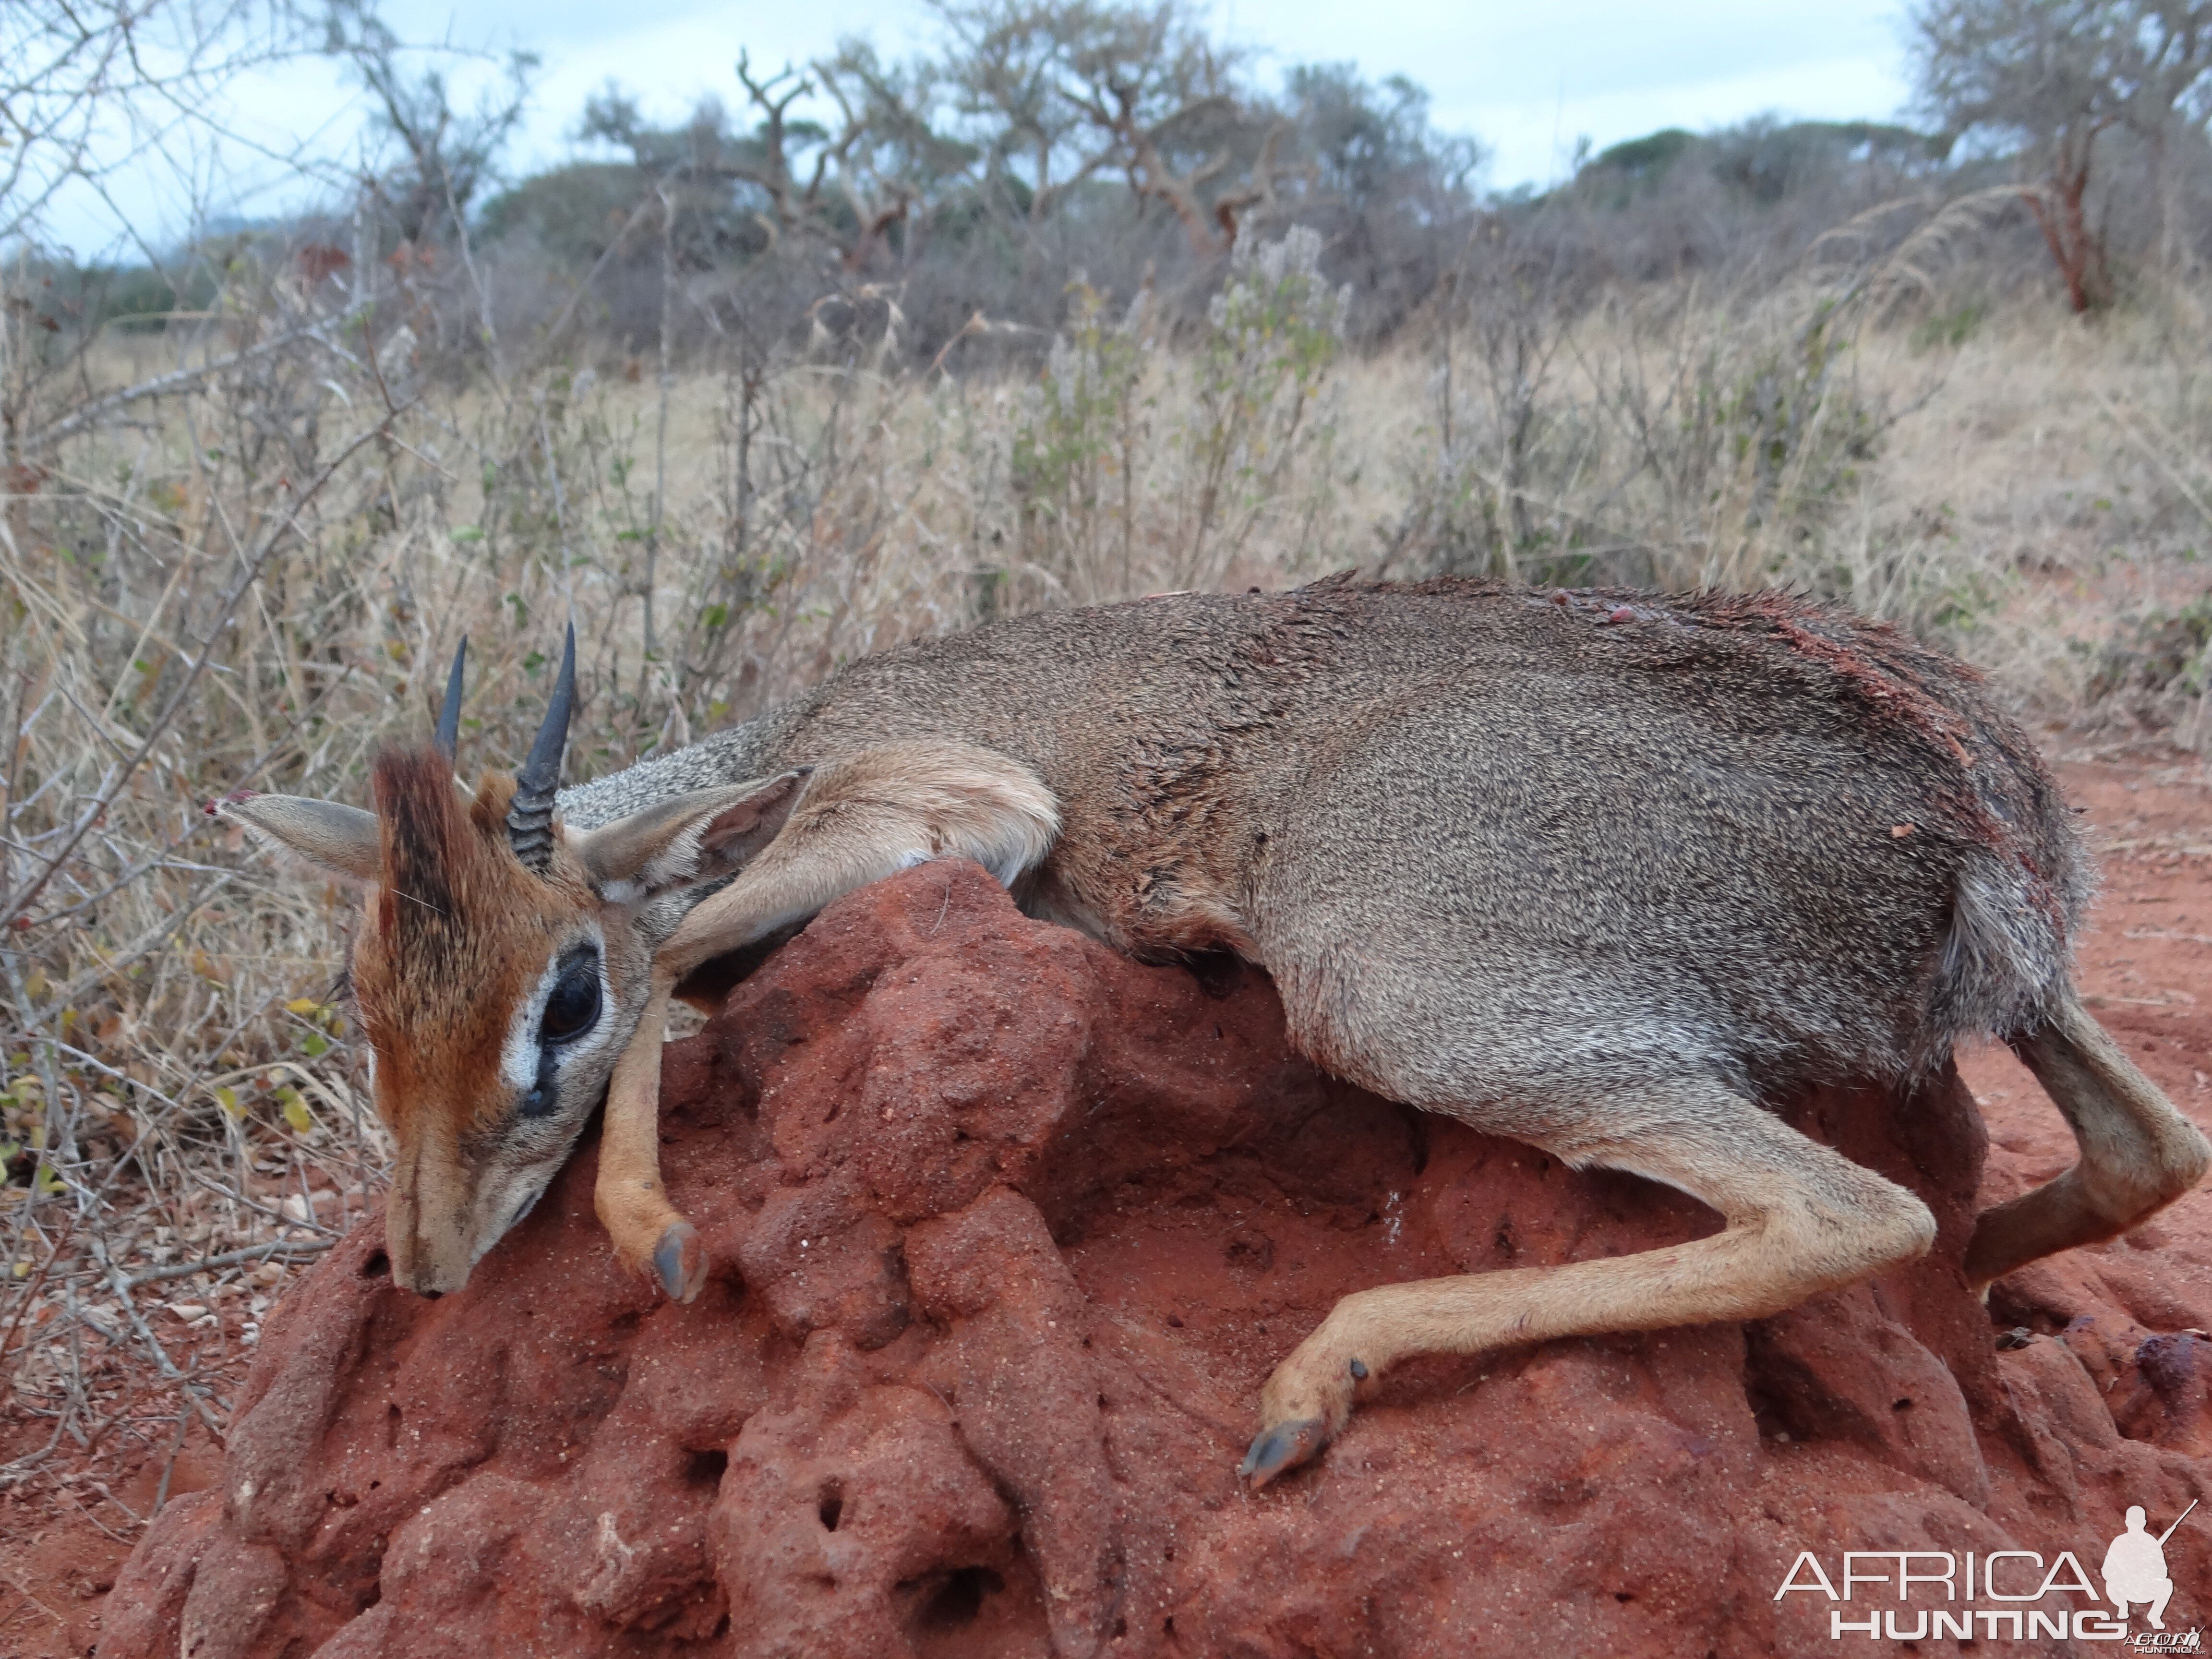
(1602, 872)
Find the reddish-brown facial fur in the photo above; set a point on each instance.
(455, 932)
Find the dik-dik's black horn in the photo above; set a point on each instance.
(530, 818)
(449, 717)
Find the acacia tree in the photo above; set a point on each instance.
(851, 190)
(1058, 92)
(2052, 78)
(957, 190)
(1028, 101)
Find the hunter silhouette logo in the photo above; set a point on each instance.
(2135, 1567)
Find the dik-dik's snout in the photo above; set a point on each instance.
(447, 1207)
(433, 1231)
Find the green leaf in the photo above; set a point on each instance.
(315, 1045)
(467, 532)
(295, 1109)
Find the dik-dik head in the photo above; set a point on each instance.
(501, 962)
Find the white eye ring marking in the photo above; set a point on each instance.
(517, 1053)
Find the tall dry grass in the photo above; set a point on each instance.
(244, 550)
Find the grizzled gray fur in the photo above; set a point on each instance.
(1752, 838)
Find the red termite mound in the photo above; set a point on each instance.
(1007, 1231)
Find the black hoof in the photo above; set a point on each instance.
(1282, 1448)
(681, 1262)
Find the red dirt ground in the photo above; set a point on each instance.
(2144, 961)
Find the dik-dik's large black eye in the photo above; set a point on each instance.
(574, 1007)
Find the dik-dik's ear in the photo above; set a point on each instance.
(342, 839)
(696, 837)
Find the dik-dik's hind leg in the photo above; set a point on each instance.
(1800, 1219)
(881, 811)
(2138, 1153)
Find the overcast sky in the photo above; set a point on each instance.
(1526, 80)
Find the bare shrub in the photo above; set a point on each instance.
(1132, 465)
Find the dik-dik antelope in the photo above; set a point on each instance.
(1605, 873)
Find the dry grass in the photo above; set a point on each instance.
(2064, 465)
(256, 579)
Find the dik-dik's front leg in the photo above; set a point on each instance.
(883, 810)
(650, 1235)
